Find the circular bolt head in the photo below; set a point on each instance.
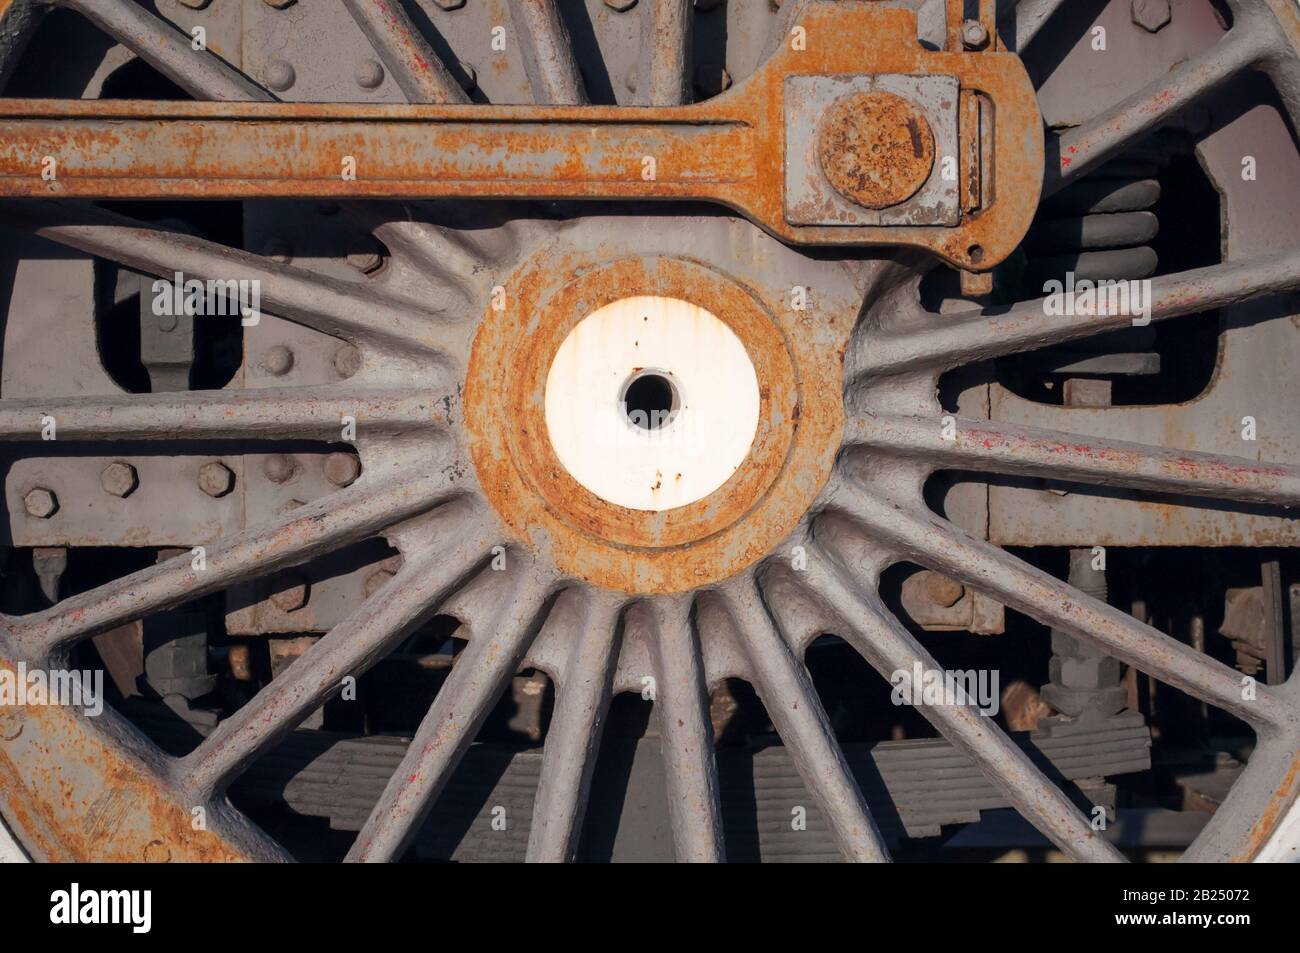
(620, 5)
(216, 479)
(119, 479)
(279, 468)
(291, 593)
(974, 35)
(450, 4)
(876, 149)
(342, 469)
(1152, 15)
(41, 503)
(347, 360)
(280, 75)
(368, 74)
(278, 360)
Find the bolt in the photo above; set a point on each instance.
(712, 79)
(368, 74)
(216, 479)
(279, 4)
(942, 591)
(279, 468)
(450, 4)
(1152, 15)
(195, 4)
(278, 249)
(376, 581)
(620, 5)
(120, 479)
(974, 35)
(347, 360)
(41, 503)
(279, 75)
(342, 469)
(368, 259)
(277, 360)
(291, 591)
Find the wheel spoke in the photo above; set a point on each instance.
(418, 71)
(350, 648)
(666, 59)
(791, 701)
(1078, 151)
(1031, 17)
(201, 73)
(940, 343)
(991, 447)
(548, 53)
(353, 514)
(343, 309)
(681, 704)
(590, 625)
(889, 648)
(940, 546)
(478, 678)
(302, 413)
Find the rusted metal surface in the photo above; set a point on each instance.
(727, 150)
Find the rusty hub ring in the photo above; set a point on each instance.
(800, 423)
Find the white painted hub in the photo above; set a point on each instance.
(682, 455)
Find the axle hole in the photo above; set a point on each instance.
(650, 400)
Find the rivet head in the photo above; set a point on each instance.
(279, 468)
(41, 503)
(369, 74)
(620, 5)
(216, 479)
(280, 75)
(450, 4)
(347, 360)
(119, 479)
(278, 360)
(342, 469)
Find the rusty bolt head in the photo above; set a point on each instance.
(347, 360)
(376, 581)
(712, 79)
(620, 5)
(974, 35)
(942, 591)
(278, 360)
(342, 469)
(1152, 15)
(291, 592)
(279, 468)
(216, 479)
(41, 503)
(119, 478)
(280, 75)
(369, 74)
(450, 4)
(875, 149)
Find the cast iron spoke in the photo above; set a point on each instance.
(992, 447)
(548, 53)
(666, 59)
(416, 69)
(478, 677)
(589, 624)
(681, 703)
(1031, 17)
(791, 702)
(370, 632)
(873, 631)
(943, 342)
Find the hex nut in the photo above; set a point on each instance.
(342, 469)
(942, 590)
(974, 35)
(119, 478)
(291, 593)
(41, 503)
(1152, 15)
(216, 479)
